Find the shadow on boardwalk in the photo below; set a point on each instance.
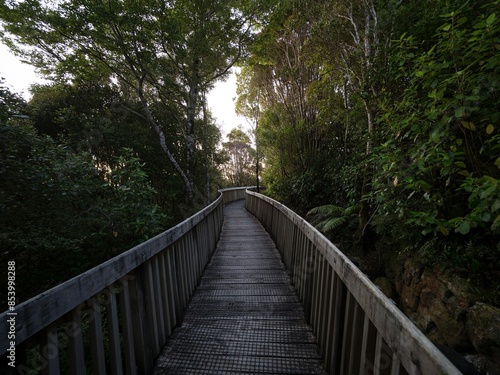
(244, 317)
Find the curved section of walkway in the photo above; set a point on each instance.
(244, 317)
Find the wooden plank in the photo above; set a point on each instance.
(244, 316)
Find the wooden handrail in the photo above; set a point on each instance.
(359, 330)
(116, 317)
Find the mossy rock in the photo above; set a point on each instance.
(483, 327)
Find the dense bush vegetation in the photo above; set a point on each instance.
(381, 119)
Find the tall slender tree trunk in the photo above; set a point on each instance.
(205, 148)
(192, 105)
(188, 186)
(364, 211)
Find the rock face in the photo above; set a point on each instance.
(445, 308)
(483, 327)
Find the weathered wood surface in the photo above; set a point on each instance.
(116, 317)
(359, 330)
(245, 316)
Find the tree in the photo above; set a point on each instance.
(11, 104)
(163, 52)
(280, 85)
(240, 158)
(441, 149)
(249, 104)
(354, 42)
(61, 214)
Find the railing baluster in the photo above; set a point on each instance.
(297, 270)
(330, 318)
(346, 337)
(192, 250)
(183, 272)
(396, 365)
(174, 310)
(325, 307)
(96, 336)
(364, 345)
(315, 303)
(50, 350)
(144, 356)
(339, 318)
(157, 287)
(113, 332)
(73, 330)
(165, 297)
(128, 334)
(378, 354)
(203, 240)
(151, 309)
(309, 280)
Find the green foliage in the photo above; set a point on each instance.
(438, 170)
(484, 205)
(11, 104)
(330, 217)
(425, 173)
(239, 166)
(162, 55)
(61, 213)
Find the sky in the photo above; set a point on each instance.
(19, 77)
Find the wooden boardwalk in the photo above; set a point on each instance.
(244, 317)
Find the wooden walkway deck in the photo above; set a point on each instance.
(244, 316)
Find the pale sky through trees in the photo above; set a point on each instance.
(19, 77)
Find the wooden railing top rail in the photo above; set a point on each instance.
(232, 194)
(409, 345)
(40, 311)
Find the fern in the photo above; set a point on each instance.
(329, 217)
(331, 224)
(328, 209)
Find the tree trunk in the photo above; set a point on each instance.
(188, 186)
(364, 211)
(205, 148)
(192, 104)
